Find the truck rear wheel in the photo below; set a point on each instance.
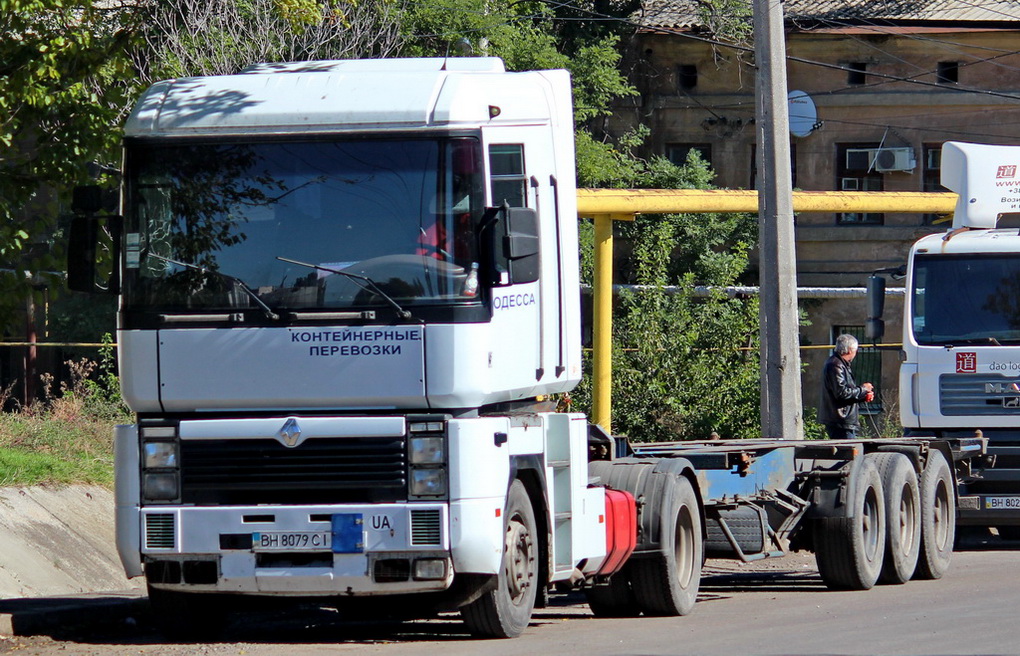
(615, 599)
(938, 518)
(902, 514)
(666, 583)
(505, 611)
(849, 550)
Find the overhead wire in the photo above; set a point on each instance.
(885, 78)
(955, 47)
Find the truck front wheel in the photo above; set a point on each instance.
(505, 611)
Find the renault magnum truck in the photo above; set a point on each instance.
(347, 292)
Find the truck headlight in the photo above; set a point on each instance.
(429, 569)
(429, 482)
(160, 486)
(426, 458)
(159, 455)
(161, 464)
(427, 451)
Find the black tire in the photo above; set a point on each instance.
(938, 518)
(187, 616)
(902, 516)
(504, 612)
(615, 599)
(850, 550)
(666, 583)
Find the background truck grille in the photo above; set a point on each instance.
(975, 394)
(321, 470)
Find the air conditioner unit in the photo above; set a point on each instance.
(895, 159)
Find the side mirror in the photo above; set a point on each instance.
(92, 254)
(874, 327)
(93, 242)
(91, 199)
(81, 252)
(513, 244)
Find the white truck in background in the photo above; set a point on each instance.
(960, 371)
(346, 291)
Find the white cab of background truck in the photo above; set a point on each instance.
(961, 328)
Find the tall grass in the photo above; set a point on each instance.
(66, 437)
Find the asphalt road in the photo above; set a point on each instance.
(780, 607)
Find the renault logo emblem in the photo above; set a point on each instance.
(290, 434)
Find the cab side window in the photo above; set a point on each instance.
(508, 182)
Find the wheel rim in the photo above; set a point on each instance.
(869, 524)
(683, 545)
(940, 510)
(906, 519)
(520, 570)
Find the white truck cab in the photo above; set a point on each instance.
(961, 329)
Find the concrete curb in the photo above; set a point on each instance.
(49, 615)
(58, 541)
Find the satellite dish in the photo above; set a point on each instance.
(803, 114)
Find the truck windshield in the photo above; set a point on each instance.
(968, 299)
(401, 213)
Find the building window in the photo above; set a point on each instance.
(686, 77)
(677, 153)
(857, 73)
(948, 72)
(867, 366)
(931, 175)
(508, 182)
(855, 171)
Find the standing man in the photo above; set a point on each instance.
(840, 394)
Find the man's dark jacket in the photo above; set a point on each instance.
(840, 394)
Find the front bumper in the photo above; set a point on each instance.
(988, 510)
(375, 549)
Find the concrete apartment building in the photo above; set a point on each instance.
(890, 80)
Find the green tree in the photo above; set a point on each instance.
(680, 343)
(63, 85)
(527, 36)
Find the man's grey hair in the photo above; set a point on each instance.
(845, 344)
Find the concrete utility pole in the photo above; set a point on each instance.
(781, 411)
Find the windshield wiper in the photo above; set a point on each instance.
(237, 281)
(973, 341)
(371, 286)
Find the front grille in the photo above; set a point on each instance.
(320, 470)
(977, 394)
(159, 531)
(426, 527)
